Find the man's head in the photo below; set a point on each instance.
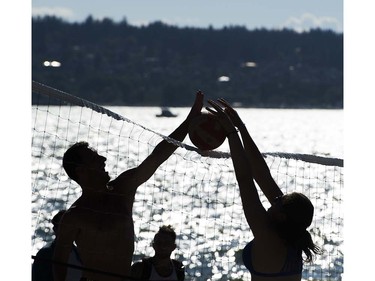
(164, 241)
(72, 158)
(84, 165)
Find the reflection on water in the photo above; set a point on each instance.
(197, 195)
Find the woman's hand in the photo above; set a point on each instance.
(231, 112)
(222, 116)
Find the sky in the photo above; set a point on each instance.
(299, 15)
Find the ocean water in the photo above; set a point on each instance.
(197, 195)
(311, 131)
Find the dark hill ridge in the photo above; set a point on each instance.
(160, 65)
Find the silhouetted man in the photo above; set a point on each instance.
(100, 221)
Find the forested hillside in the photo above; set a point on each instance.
(119, 64)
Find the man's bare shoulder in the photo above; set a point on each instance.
(128, 175)
(127, 181)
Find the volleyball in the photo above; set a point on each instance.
(206, 132)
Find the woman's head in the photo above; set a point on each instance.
(295, 213)
(164, 242)
(298, 209)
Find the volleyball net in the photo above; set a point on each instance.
(194, 191)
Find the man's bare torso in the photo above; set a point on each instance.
(105, 239)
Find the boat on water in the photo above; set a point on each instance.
(165, 112)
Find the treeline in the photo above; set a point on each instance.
(115, 63)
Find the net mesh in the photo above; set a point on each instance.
(194, 191)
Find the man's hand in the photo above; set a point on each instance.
(197, 106)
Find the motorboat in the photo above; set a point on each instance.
(165, 112)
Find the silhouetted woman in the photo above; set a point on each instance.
(280, 233)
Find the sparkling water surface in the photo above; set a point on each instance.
(311, 131)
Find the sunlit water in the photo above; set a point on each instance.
(311, 131)
(197, 195)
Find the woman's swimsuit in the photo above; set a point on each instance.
(292, 265)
